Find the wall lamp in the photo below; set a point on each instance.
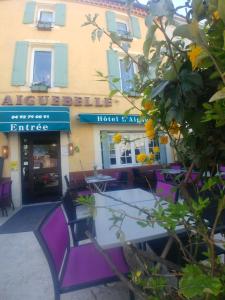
(5, 151)
(71, 148)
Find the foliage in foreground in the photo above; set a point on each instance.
(181, 83)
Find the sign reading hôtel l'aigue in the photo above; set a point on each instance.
(55, 101)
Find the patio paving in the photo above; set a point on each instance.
(25, 274)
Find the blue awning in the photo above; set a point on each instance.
(111, 119)
(34, 118)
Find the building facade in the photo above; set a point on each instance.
(51, 101)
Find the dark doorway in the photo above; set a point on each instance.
(40, 167)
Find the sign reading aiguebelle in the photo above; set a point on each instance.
(56, 101)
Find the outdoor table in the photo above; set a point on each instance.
(99, 182)
(131, 231)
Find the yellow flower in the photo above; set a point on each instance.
(141, 157)
(174, 128)
(163, 139)
(148, 105)
(151, 156)
(156, 149)
(149, 125)
(216, 15)
(117, 138)
(193, 55)
(150, 134)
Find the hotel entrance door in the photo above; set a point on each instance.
(40, 167)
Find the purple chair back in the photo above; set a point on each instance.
(159, 176)
(6, 188)
(54, 232)
(166, 191)
(222, 168)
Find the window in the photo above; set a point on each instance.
(46, 17)
(122, 28)
(124, 154)
(127, 76)
(42, 68)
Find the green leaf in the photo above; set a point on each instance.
(195, 283)
(221, 9)
(199, 8)
(112, 93)
(218, 95)
(191, 32)
(159, 88)
(149, 39)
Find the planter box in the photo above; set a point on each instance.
(39, 88)
(126, 37)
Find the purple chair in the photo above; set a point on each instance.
(75, 268)
(6, 196)
(167, 191)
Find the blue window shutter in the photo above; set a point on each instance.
(20, 64)
(28, 17)
(105, 150)
(163, 156)
(60, 14)
(113, 69)
(61, 65)
(135, 27)
(111, 21)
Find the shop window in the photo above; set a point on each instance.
(124, 154)
(42, 68)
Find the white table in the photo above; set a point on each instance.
(128, 196)
(99, 182)
(106, 235)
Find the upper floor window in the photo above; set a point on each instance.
(126, 27)
(45, 19)
(42, 68)
(44, 13)
(127, 75)
(45, 64)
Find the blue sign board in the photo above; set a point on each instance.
(34, 119)
(111, 119)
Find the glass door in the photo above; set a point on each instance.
(41, 167)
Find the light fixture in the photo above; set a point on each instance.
(5, 151)
(71, 148)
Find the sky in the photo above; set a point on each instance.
(175, 3)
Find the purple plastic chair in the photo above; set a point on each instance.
(77, 267)
(167, 191)
(6, 196)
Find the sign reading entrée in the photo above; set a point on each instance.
(111, 119)
(34, 119)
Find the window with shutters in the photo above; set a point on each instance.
(125, 27)
(44, 15)
(36, 63)
(124, 154)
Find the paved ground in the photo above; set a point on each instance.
(25, 275)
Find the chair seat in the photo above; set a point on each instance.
(86, 266)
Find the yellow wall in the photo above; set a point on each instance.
(85, 57)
